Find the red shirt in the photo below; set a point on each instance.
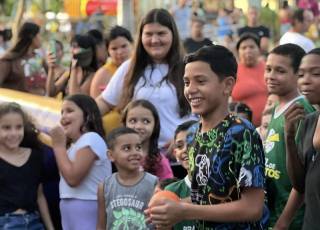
(251, 89)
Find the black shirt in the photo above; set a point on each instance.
(312, 166)
(260, 31)
(19, 185)
(191, 45)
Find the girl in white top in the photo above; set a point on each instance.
(154, 73)
(83, 165)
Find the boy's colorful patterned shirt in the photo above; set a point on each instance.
(223, 161)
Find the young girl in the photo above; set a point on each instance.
(21, 167)
(143, 117)
(83, 165)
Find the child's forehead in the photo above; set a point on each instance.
(181, 135)
(128, 139)
(279, 60)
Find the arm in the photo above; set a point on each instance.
(114, 89)
(101, 78)
(50, 82)
(72, 171)
(167, 213)
(103, 106)
(294, 166)
(85, 86)
(293, 204)
(101, 224)
(43, 208)
(56, 79)
(74, 86)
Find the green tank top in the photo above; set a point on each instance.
(277, 180)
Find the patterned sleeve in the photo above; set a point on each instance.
(249, 156)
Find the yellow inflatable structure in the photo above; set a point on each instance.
(45, 111)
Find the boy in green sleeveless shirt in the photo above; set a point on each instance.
(183, 138)
(281, 76)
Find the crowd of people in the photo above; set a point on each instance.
(241, 120)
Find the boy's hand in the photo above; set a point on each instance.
(58, 137)
(164, 214)
(294, 114)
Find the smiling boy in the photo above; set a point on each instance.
(281, 75)
(226, 159)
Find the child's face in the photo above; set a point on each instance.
(180, 149)
(127, 152)
(279, 75)
(11, 131)
(141, 120)
(71, 119)
(309, 78)
(203, 89)
(119, 50)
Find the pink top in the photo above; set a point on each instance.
(164, 170)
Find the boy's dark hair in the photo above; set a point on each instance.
(117, 132)
(184, 127)
(315, 51)
(91, 115)
(118, 31)
(248, 36)
(221, 60)
(239, 107)
(292, 51)
(297, 16)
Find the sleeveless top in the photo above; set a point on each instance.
(110, 66)
(125, 204)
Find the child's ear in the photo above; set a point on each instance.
(110, 155)
(229, 83)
